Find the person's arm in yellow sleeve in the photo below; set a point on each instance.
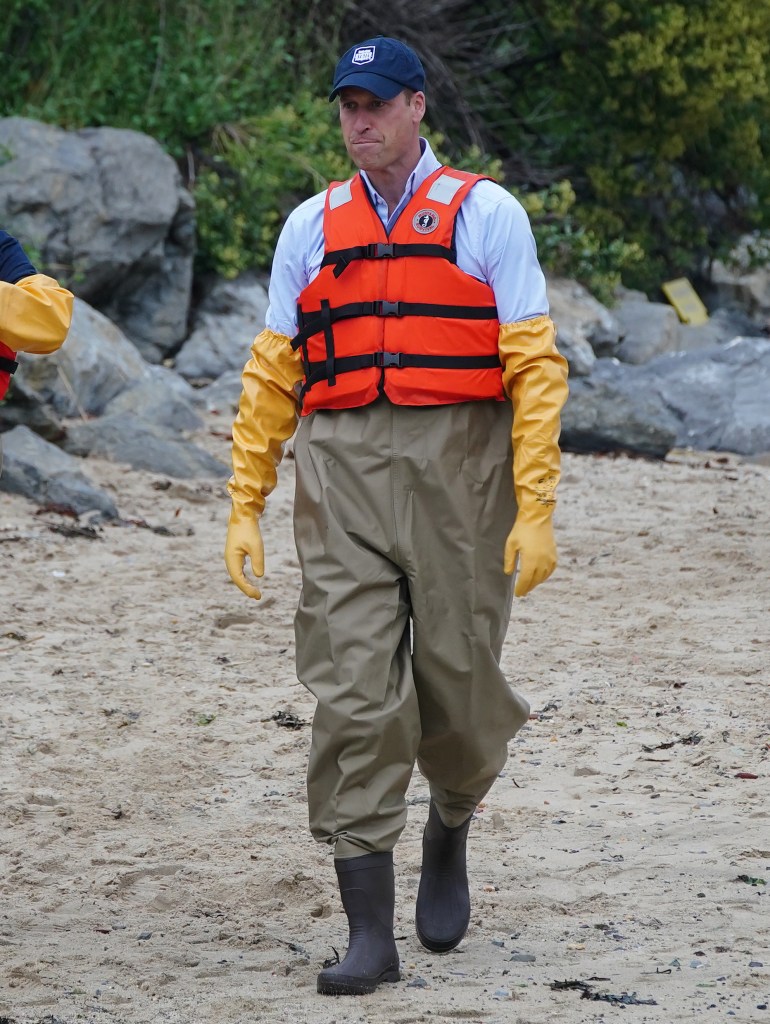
(35, 314)
(535, 379)
(267, 418)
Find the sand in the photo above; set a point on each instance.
(156, 864)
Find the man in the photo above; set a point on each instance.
(408, 316)
(35, 311)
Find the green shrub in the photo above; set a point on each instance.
(257, 171)
(170, 68)
(652, 114)
(661, 111)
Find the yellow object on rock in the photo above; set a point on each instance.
(686, 301)
(267, 417)
(535, 379)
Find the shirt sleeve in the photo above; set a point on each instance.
(494, 231)
(295, 263)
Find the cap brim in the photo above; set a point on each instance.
(384, 88)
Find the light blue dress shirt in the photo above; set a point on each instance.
(493, 236)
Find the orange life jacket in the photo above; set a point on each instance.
(8, 365)
(395, 314)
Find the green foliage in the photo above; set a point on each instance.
(662, 113)
(637, 134)
(565, 246)
(259, 170)
(568, 248)
(171, 69)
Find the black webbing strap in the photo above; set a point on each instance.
(316, 372)
(342, 258)
(8, 365)
(302, 343)
(326, 323)
(314, 321)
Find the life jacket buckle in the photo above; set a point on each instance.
(385, 360)
(383, 250)
(384, 308)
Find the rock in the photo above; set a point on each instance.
(41, 471)
(24, 406)
(223, 395)
(96, 363)
(648, 329)
(714, 399)
(585, 327)
(106, 210)
(124, 438)
(612, 411)
(722, 326)
(740, 281)
(228, 321)
(719, 395)
(162, 399)
(243, 296)
(576, 351)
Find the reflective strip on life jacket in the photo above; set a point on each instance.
(376, 318)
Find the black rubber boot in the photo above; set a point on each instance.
(368, 895)
(443, 900)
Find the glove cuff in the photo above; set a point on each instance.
(243, 512)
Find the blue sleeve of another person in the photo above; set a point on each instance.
(14, 264)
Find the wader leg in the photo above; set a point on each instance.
(352, 632)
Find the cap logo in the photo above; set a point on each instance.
(363, 54)
(425, 221)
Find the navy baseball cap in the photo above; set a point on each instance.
(381, 65)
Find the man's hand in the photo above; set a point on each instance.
(244, 539)
(536, 549)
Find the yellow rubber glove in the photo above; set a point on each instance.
(244, 540)
(535, 379)
(267, 418)
(35, 314)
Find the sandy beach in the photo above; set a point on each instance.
(156, 865)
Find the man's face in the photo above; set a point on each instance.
(380, 133)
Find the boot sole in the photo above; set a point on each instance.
(349, 986)
(440, 945)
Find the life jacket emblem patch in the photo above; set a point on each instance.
(425, 221)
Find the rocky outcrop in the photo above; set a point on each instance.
(743, 280)
(611, 411)
(49, 476)
(647, 329)
(586, 328)
(223, 395)
(95, 364)
(720, 396)
(106, 212)
(710, 400)
(225, 326)
(123, 437)
(97, 396)
(162, 399)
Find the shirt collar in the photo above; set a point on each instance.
(426, 165)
